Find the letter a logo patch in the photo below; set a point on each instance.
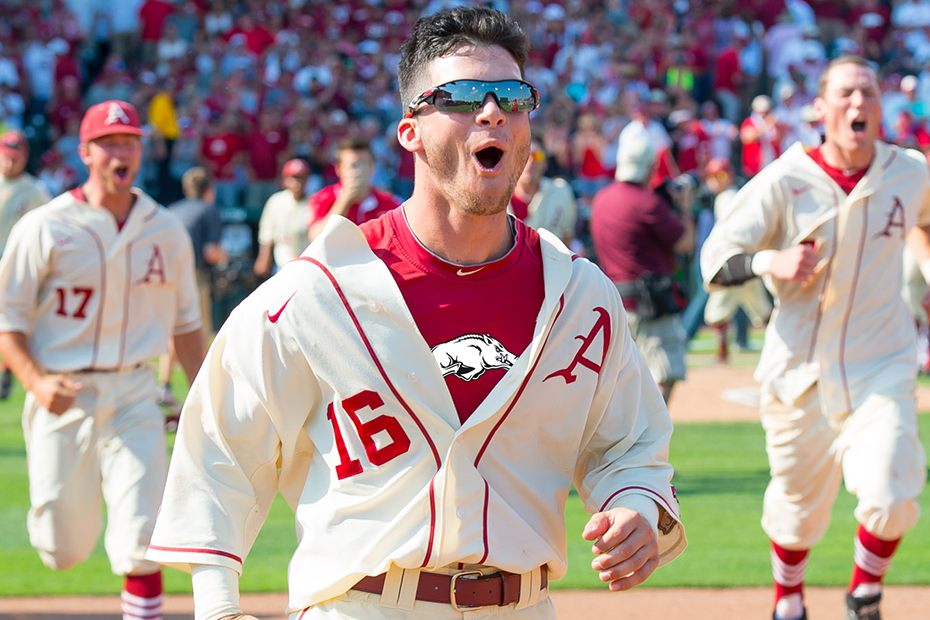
(602, 328)
(155, 267)
(116, 114)
(896, 219)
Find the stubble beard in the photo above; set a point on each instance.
(444, 166)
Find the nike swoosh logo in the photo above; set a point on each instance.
(274, 317)
(468, 273)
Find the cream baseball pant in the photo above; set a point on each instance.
(355, 605)
(875, 449)
(109, 446)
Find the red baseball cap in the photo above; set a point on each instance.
(295, 168)
(13, 142)
(108, 118)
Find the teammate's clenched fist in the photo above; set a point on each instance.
(795, 263)
(56, 393)
(625, 545)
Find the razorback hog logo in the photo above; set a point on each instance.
(468, 356)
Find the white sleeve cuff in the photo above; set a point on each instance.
(645, 506)
(762, 262)
(216, 591)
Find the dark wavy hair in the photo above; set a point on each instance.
(444, 33)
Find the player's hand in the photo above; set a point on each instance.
(55, 393)
(626, 547)
(797, 263)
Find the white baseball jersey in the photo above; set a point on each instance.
(320, 386)
(17, 196)
(848, 329)
(284, 223)
(553, 208)
(92, 297)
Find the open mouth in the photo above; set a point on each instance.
(121, 172)
(858, 126)
(489, 157)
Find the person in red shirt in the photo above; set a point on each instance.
(692, 144)
(267, 145)
(152, 16)
(353, 197)
(220, 151)
(257, 37)
(761, 136)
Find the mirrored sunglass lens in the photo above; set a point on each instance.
(468, 96)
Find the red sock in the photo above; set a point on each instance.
(788, 570)
(142, 597)
(873, 557)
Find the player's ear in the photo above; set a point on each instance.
(819, 108)
(408, 134)
(84, 152)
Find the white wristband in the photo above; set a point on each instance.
(925, 270)
(762, 262)
(216, 592)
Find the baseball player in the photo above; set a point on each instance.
(92, 285)
(282, 228)
(825, 227)
(19, 192)
(404, 385)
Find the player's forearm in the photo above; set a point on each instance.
(189, 349)
(216, 592)
(744, 267)
(14, 348)
(918, 238)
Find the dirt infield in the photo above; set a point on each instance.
(901, 603)
(711, 393)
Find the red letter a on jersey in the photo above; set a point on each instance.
(155, 268)
(601, 325)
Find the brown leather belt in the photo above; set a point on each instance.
(463, 590)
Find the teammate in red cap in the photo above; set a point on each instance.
(19, 192)
(282, 229)
(93, 284)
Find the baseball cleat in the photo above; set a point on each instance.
(167, 399)
(863, 608)
(803, 615)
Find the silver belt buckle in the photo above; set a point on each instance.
(455, 577)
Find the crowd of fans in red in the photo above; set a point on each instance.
(242, 86)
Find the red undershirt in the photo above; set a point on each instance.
(846, 182)
(500, 299)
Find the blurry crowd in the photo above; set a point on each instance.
(240, 87)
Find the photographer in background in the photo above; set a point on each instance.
(637, 232)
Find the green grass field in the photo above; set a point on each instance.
(721, 474)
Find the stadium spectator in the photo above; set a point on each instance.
(221, 151)
(267, 147)
(353, 196)
(761, 136)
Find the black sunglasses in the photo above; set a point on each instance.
(469, 95)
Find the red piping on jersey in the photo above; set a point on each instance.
(224, 554)
(403, 403)
(152, 214)
(302, 613)
(668, 506)
(887, 164)
(103, 281)
(826, 282)
(122, 334)
(487, 493)
(849, 304)
(522, 385)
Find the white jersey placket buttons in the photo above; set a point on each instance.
(460, 513)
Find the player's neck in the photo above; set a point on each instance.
(117, 204)
(849, 161)
(458, 237)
